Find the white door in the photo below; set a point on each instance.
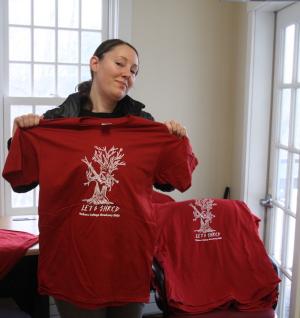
(284, 221)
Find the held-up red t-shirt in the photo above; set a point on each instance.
(212, 257)
(95, 212)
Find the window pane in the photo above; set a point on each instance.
(19, 12)
(288, 53)
(44, 45)
(278, 230)
(19, 44)
(294, 185)
(297, 122)
(67, 79)
(18, 110)
(68, 14)
(44, 12)
(37, 194)
(85, 73)
(19, 79)
(281, 176)
(22, 200)
(41, 109)
(44, 80)
(290, 242)
(285, 116)
(285, 300)
(91, 14)
(67, 46)
(89, 42)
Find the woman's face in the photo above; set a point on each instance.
(115, 73)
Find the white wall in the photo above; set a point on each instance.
(240, 55)
(188, 72)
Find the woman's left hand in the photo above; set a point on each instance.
(176, 128)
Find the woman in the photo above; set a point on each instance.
(114, 67)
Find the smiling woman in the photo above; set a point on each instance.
(103, 101)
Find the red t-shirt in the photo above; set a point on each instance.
(96, 216)
(212, 256)
(13, 246)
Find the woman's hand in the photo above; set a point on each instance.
(176, 128)
(26, 121)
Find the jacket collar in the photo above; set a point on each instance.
(125, 106)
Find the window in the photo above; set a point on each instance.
(47, 52)
(50, 43)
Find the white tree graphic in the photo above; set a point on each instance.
(205, 215)
(108, 161)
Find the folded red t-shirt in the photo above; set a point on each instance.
(13, 246)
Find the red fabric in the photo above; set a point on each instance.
(215, 260)
(13, 246)
(158, 197)
(96, 222)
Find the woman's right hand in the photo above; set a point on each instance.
(26, 121)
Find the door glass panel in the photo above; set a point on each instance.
(295, 183)
(282, 176)
(290, 243)
(288, 61)
(297, 122)
(44, 12)
(286, 284)
(285, 116)
(278, 230)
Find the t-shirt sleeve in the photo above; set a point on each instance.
(256, 220)
(21, 166)
(176, 164)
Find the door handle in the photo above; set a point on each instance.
(267, 201)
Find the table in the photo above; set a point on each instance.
(21, 282)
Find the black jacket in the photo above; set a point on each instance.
(71, 107)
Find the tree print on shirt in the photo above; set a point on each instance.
(205, 214)
(106, 161)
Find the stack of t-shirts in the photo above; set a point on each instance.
(159, 197)
(96, 219)
(13, 246)
(212, 257)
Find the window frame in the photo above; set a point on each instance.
(116, 24)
